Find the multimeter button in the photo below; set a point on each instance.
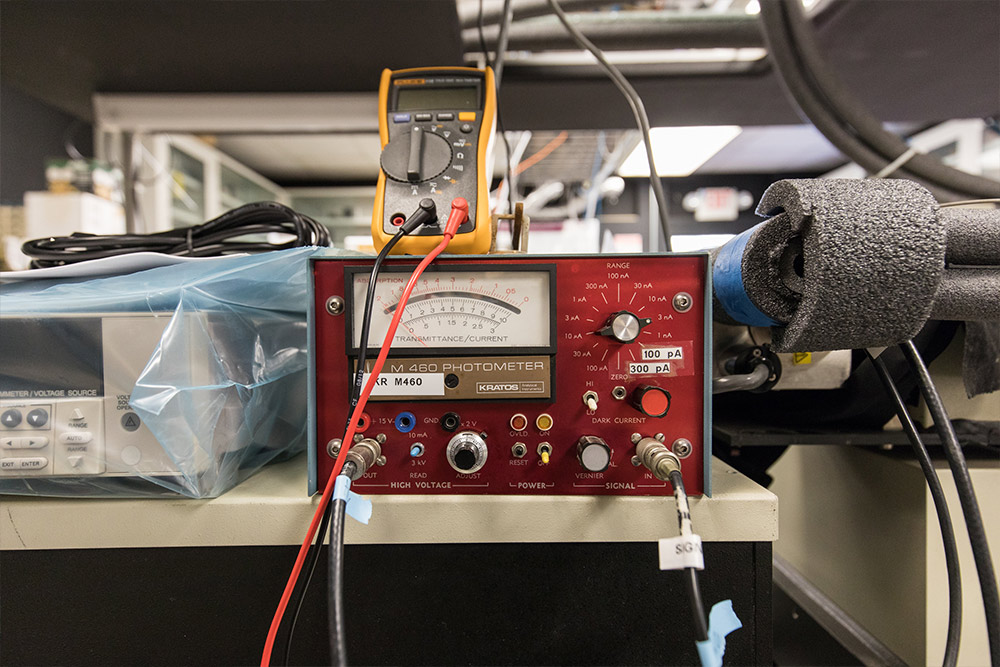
(446, 116)
(421, 117)
(75, 437)
(467, 116)
(466, 128)
(26, 463)
(401, 118)
(38, 417)
(30, 442)
(11, 418)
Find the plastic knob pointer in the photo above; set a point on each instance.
(416, 157)
(651, 400)
(624, 326)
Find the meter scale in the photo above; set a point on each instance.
(466, 309)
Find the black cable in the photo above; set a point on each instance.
(690, 573)
(220, 236)
(505, 21)
(355, 392)
(940, 506)
(335, 596)
(866, 126)
(967, 497)
(314, 553)
(503, 135)
(638, 110)
(847, 123)
(697, 606)
(793, 80)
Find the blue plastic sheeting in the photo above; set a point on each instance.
(224, 390)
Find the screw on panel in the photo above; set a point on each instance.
(683, 302)
(682, 448)
(635, 438)
(380, 438)
(335, 305)
(333, 447)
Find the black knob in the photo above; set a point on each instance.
(416, 157)
(624, 326)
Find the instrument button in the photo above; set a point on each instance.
(75, 437)
(38, 417)
(11, 418)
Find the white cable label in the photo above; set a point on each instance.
(677, 553)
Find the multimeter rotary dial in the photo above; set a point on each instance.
(416, 157)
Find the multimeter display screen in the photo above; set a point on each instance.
(415, 98)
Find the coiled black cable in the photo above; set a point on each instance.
(224, 235)
(841, 117)
(941, 507)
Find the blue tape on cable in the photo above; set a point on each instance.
(358, 507)
(727, 281)
(721, 621)
(341, 488)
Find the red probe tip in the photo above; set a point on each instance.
(459, 214)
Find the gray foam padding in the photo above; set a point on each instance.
(967, 295)
(872, 256)
(981, 358)
(973, 236)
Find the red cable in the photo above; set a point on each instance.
(459, 214)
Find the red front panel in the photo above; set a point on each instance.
(667, 354)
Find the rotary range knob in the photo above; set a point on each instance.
(466, 452)
(593, 453)
(416, 157)
(624, 326)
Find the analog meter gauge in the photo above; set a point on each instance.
(485, 308)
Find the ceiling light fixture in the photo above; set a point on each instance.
(679, 151)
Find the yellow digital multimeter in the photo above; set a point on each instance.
(436, 125)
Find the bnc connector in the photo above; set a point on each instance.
(657, 458)
(363, 454)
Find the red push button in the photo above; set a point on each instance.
(650, 400)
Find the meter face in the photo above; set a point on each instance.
(450, 308)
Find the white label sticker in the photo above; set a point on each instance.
(662, 353)
(649, 368)
(408, 384)
(677, 553)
